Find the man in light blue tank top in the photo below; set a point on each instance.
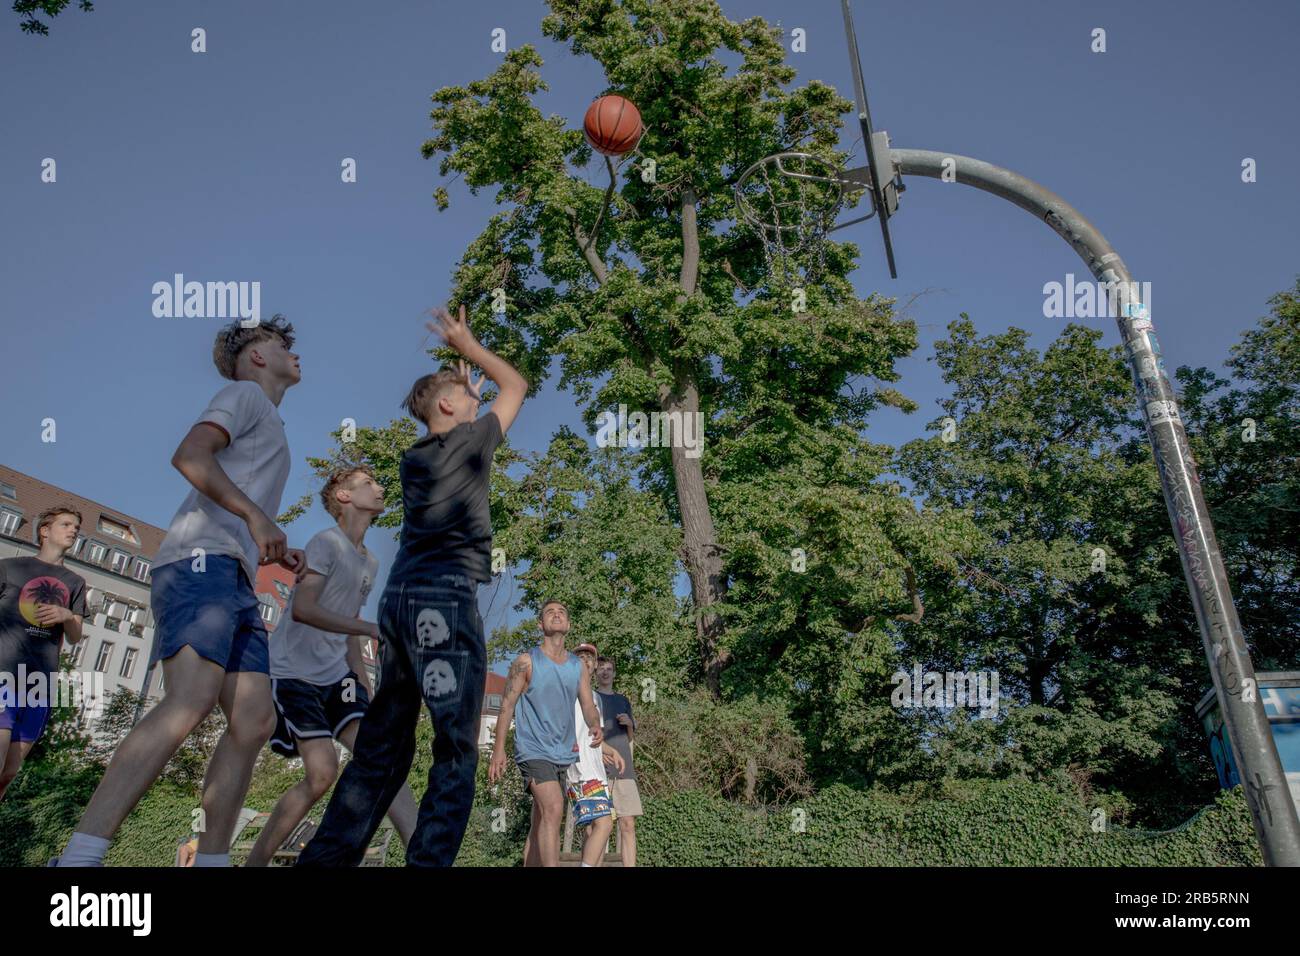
(542, 685)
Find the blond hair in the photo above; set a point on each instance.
(423, 397)
(336, 480)
(234, 338)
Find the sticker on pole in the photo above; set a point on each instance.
(1158, 412)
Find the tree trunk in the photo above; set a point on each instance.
(700, 551)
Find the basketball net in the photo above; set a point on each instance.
(791, 200)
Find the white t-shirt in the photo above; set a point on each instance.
(256, 460)
(303, 652)
(590, 765)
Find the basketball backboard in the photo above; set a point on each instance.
(792, 199)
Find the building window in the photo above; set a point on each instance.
(117, 529)
(77, 546)
(141, 570)
(128, 663)
(135, 619)
(494, 701)
(268, 612)
(120, 560)
(114, 610)
(78, 652)
(96, 553)
(105, 655)
(159, 688)
(9, 522)
(8, 491)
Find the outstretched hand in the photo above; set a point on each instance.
(454, 330)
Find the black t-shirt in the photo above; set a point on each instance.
(447, 527)
(611, 705)
(24, 583)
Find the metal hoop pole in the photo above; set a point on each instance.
(1267, 792)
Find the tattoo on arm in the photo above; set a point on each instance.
(517, 678)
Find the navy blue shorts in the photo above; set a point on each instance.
(25, 724)
(214, 611)
(304, 710)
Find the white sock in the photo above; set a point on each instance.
(585, 863)
(212, 859)
(84, 850)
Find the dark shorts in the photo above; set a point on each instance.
(304, 710)
(543, 771)
(214, 611)
(25, 724)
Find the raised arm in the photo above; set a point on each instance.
(511, 386)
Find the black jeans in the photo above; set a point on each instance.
(434, 652)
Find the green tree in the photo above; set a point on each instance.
(591, 538)
(1250, 477)
(648, 291)
(30, 11)
(1073, 614)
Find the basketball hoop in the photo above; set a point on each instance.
(791, 200)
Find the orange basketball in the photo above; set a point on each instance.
(612, 125)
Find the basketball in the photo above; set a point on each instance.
(612, 125)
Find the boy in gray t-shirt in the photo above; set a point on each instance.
(208, 631)
(319, 684)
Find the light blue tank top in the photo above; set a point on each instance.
(544, 715)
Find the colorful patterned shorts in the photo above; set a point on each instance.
(591, 801)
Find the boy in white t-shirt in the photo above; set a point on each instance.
(208, 631)
(318, 681)
(588, 782)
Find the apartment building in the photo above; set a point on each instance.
(114, 553)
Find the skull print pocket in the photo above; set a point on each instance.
(434, 624)
(442, 678)
(437, 655)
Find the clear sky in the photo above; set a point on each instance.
(225, 166)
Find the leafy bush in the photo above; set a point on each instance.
(746, 750)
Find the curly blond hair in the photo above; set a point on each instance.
(234, 338)
(337, 479)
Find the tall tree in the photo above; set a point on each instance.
(1245, 434)
(1045, 461)
(645, 287)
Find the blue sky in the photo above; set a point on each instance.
(225, 166)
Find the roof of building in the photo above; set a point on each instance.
(33, 496)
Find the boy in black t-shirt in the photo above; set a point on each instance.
(428, 618)
(41, 602)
